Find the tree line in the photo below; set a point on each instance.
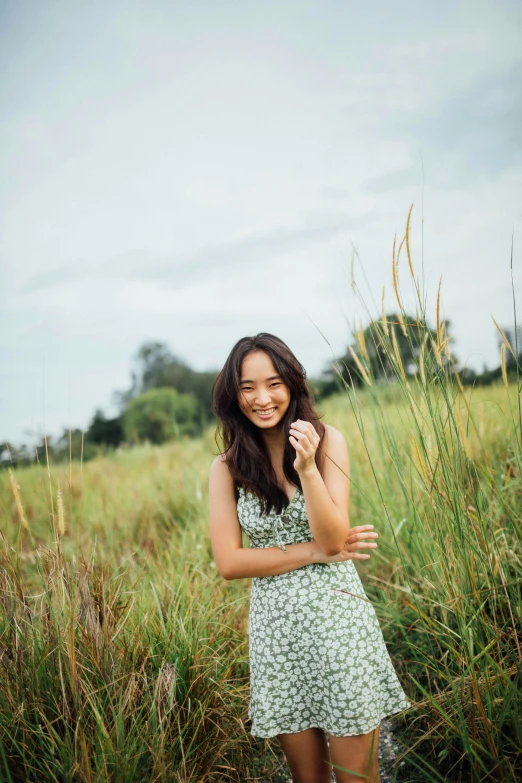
(168, 400)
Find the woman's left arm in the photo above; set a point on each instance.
(326, 496)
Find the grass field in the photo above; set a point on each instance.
(124, 654)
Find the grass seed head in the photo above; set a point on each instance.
(384, 319)
(18, 500)
(362, 344)
(360, 366)
(503, 364)
(397, 354)
(61, 519)
(504, 338)
(403, 325)
(395, 268)
(436, 351)
(407, 238)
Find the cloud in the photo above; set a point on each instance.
(482, 122)
(192, 178)
(261, 247)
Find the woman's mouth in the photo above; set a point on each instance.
(265, 414)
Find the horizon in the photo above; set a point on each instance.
(170, 173)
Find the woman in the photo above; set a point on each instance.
(321, 678)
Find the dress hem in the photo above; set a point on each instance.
(332, 733)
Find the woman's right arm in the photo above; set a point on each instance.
(235, 562)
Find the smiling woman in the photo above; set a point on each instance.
(321, 679)
(264, 396)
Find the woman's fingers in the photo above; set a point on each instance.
(304, 434)
(361, 545)
(302, 442)
(359, 540)
(361, 532)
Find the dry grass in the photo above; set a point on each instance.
(123, 653)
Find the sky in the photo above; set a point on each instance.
(194, 172)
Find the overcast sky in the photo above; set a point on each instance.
(193, 172)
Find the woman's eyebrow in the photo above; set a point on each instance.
(272, 378)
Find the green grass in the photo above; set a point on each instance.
(446, 580)
(124, 654)
(437, 469)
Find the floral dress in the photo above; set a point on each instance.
(317, 654)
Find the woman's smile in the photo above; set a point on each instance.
(259, 386)
(265, 414)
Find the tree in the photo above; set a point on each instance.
(157, 367)
(160, 415)
(379, 351)
(105, 431)
(72, 443)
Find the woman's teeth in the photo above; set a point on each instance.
(265, 413)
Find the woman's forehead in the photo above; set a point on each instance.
(258, 366)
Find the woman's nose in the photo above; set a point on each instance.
(262, 398)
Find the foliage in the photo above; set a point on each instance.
(124, 655)
(157, 367)
(443, 472)
(409, 336)
(71, 444)
(105, 431)
(159, 415)
(445, 582)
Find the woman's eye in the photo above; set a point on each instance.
(274, 384)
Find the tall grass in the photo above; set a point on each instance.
(438, 470)
(123, 654)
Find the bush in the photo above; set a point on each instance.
(159, 415)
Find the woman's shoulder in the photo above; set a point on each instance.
(335, 444)
(333, 435)
(221, 467)
(220, 476)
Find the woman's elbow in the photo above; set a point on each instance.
(228, 563)
(226, 571)
(223, 571)
(331, 550)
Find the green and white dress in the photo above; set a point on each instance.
(317, 654)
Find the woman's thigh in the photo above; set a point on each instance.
(307, 755)
(359, 754)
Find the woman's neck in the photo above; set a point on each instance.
(275, 440)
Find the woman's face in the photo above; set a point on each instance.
(263, 396)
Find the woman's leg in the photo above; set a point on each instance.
(307, 753)
(358, 754)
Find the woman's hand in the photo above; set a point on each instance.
(305, 441)
(357, 539)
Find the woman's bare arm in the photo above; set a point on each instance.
(235, 562)
(232, 560)
(326, 495)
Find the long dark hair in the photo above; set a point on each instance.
(245, 450)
